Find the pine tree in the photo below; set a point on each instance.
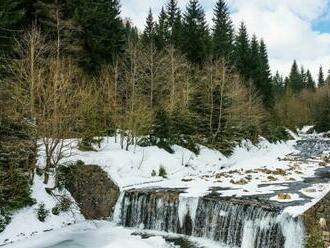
(173, 23)
(196, 41)
(242, 52)
(295, 81)
(161, 30)
(149, 33)
(223, 32)
(321, 80)
(309, 81)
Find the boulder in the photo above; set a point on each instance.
(93, 190)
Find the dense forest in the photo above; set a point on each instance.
(77, 69)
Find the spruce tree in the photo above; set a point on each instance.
(161, 30)
(196, 40)
(264, 81)
(303, 76)
(131, 33)
(223, 32)
(102, 36)
(295, 80)
(255, 60)
(278, 83)
(321, 80)
(12, 20)
(309, 81)
(173, 23)
(149, 33)
(242, 52)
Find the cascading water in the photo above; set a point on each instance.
(235, 223)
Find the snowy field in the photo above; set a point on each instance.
(272, 166)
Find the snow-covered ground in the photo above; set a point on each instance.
(263, 169)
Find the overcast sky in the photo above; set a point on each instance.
(292, 29)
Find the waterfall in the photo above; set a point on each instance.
(235, 223)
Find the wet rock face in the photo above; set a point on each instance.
(95, 193)
(317, 222)
(312, 147)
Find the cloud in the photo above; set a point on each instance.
(285, 25)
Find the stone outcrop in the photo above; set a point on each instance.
(95, 193)
(317, 223)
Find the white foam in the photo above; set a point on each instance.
(187, 204)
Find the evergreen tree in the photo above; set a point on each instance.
(196, 41)
(173, 23)
(131, 33)
(102, 36)
(255, 60)
(242, 52)
(12, 18)
(149, 33)
(278, 83)
(46, 13)
(223, 32)
(161, 30)
(264, 82)
(295, 80)
(309, 81)
(321, 80)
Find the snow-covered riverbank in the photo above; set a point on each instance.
(266, 170)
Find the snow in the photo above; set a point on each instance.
(24, 222)
(250, 170)
(92, 234)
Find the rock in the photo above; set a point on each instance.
(284, 196)
(280, 172)
(323, 223)
(242, 181)
(271, 178)
(93, 190)
(186, 179)
(310, 190)
(323, 164)
(326, 158)
(248, 177)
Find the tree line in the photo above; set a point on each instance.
(77, 69)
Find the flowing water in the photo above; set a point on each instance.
(234, 223)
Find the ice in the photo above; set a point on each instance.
(187, 204)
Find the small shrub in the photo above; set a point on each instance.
(4, 220)
(162, 172)
(65, 204)
(153, 173)
(278, 134)
(80, 163)
(56, 210)
(42, 212)
(86, 144)
(39, 171)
